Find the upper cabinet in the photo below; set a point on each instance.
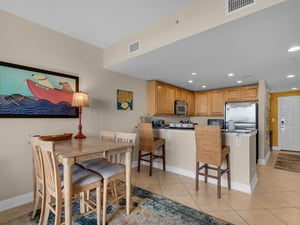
(180, 94)
(209, 103)
(161, 98)
(201, 103)
(245, 93)
(232, 94)
(249, 93)
(216, 103)
(190, 99)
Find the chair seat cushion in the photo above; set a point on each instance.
(108, 171)
(100, 162)
(81, 177)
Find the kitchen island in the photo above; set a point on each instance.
(181, 156)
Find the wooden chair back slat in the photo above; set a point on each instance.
(107, 135)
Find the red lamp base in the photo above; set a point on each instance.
(80, 136)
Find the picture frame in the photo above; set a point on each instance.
(27, 92)
(124, 100)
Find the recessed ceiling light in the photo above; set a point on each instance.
(203, 86)
(290, 76)
(190, 81)
(194, 73)
(230, 74)
(294, 49)
(239, 81)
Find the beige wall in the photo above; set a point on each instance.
(25, 43)
(263, 122)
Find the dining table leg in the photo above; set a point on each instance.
(128, 179)
(68, 171)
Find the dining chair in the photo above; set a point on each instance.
(101, 161)
(211, 153)
(112, 167)
(39, 187)
(150, 144)
(82, 181)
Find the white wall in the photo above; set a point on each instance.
(25, 43)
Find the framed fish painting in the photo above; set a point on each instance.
(27, 92)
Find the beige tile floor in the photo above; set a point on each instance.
(275, 201)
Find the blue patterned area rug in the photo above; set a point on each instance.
(147, 209)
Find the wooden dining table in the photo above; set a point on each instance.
(78, 150)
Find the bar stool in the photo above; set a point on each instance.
(211, 152)
(150, 144)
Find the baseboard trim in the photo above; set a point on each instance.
(234, 185)
(16, 201)
(26, 198)
(265, 160)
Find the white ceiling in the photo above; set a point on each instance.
(253, 48)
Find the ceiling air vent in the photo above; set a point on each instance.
(134, 47)
(236, 5)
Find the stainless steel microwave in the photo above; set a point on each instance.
(181, 108)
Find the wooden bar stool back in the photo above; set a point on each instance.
(211, 153)
(149, 145)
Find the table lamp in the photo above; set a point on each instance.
(80, 99)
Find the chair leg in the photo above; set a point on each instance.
(228, 172)
(151, 162)
(206, 173)
(164, 157)
(98, 203)
(44, 220)
(58, 209)
(139, 161)
(197, 176)
(36, 202)
(105, 185)
(219, 182)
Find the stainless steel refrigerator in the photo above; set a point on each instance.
(244, 117)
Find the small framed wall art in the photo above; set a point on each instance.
(124, 100)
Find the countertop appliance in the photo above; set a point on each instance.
(180, 108)
(216, 122)
(242, 116)
(158, 124)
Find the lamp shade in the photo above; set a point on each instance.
(80, 99)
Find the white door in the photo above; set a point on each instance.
(289, 123)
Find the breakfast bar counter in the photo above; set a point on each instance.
(181, 156)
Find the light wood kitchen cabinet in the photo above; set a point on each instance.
(209, 103)
(232, 94)
(169, 102)
(249, 93)
(180, 94)
(216, 103)
(245, 93)
(160, 98)
(190, 99)
(201, 103)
